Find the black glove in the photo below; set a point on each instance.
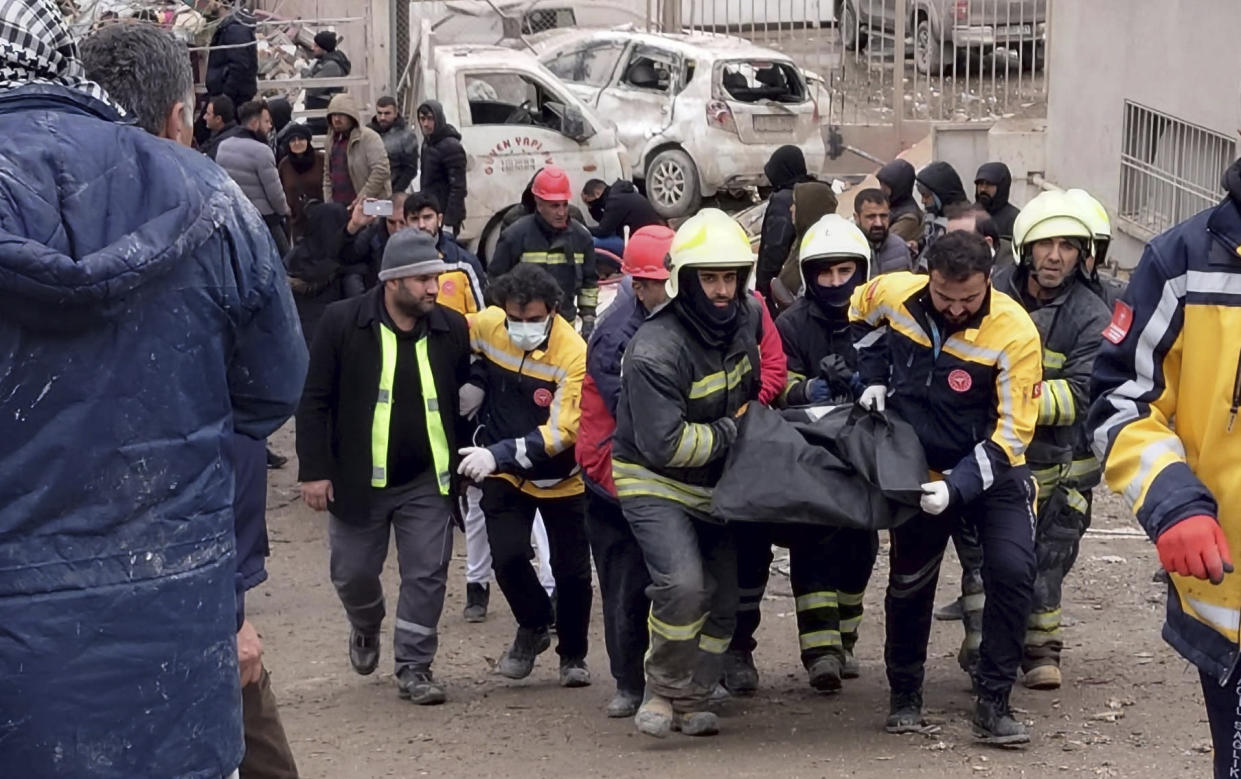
(836, 372)
(1060, 528)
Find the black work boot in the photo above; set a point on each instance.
(477, 596)
(905, 712)
(825, 673)
(518, 661)
(275, 461)
(994, 722)
(740, 674)
(418, 686)
(363, 651)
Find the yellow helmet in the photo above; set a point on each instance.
(1051, 214)
(708, 239)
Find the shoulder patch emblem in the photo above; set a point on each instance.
(542, 397)
(1122, 320)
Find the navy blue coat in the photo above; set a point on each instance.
(146, 315)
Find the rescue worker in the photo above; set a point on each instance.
(992, 183)
(829, 568)
(385, 466)
(1051, 241)
(1108, 288)
(623, 578)
(1170, 353)
(563, 247)
(462, 285)
(530, 367)
(688, 372)
(962, 364)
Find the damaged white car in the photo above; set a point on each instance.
(697, 113)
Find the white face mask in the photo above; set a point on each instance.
(528, 335)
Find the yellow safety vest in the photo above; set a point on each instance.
(383, 412)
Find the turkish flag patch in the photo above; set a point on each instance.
(1037, 392)
(1122, 320)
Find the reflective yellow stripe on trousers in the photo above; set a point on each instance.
(382, 420)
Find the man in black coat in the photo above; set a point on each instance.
(234, 71)
(399, 141)
(614, 208)
(991, 186)
(387, 465)
(329, 63)
(443, 164)
(786, 168)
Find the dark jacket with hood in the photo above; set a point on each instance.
(1003, 213)
(568, 255)
(622, 206)
(946, 186)
(674, 422)
(235, 71)
(141, 333)
(786, 168)
(1170, 353)
(899, 176)
(443, 166)
(315, 264)
(402, 147)
(333, 64)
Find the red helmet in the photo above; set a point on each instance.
(645, 252)
(552, 183)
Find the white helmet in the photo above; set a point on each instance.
(834, 238)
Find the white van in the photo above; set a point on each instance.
(514, 117)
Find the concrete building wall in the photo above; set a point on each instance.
(1176, 56)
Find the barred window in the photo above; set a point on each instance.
(1169, 169)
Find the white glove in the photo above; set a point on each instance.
(470, 399)
(874, 397)
(935, 497)
(477, 463)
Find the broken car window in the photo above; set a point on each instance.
(592, 65)
(753, 81)
(512, 98)
(648, 70)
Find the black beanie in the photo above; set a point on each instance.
(326, 40)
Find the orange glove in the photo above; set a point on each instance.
(1195, 547)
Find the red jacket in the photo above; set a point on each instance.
(601, 388)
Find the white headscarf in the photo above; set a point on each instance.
(36, 47)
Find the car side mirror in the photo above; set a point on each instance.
(576, 126)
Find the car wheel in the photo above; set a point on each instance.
(672, 184)
(1032, 56)
(928, 54)
(850, 32)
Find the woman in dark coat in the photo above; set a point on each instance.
(314, 264)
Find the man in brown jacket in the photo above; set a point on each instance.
(355, 161)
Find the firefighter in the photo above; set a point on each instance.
(1167, 386)
(1108, 288)
(1051, 240)
(828, 568)
(560, 245)
(686, 376)
(963, 366)
(530, 365)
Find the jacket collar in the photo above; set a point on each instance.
(368, 312)
(57, 98)
(1224, 225)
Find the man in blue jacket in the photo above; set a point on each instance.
(143, 331)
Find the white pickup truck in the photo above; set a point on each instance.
(514, 117)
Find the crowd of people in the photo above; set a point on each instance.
(195, 313)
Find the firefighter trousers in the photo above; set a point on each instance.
(1004, 518)
(623, 580)
(828, 572)
(692, 562)
(1055, 555)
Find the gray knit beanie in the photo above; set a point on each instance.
(410, 252)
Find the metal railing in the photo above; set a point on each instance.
(1169, 169)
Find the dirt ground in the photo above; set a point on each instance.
(1129, 708)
